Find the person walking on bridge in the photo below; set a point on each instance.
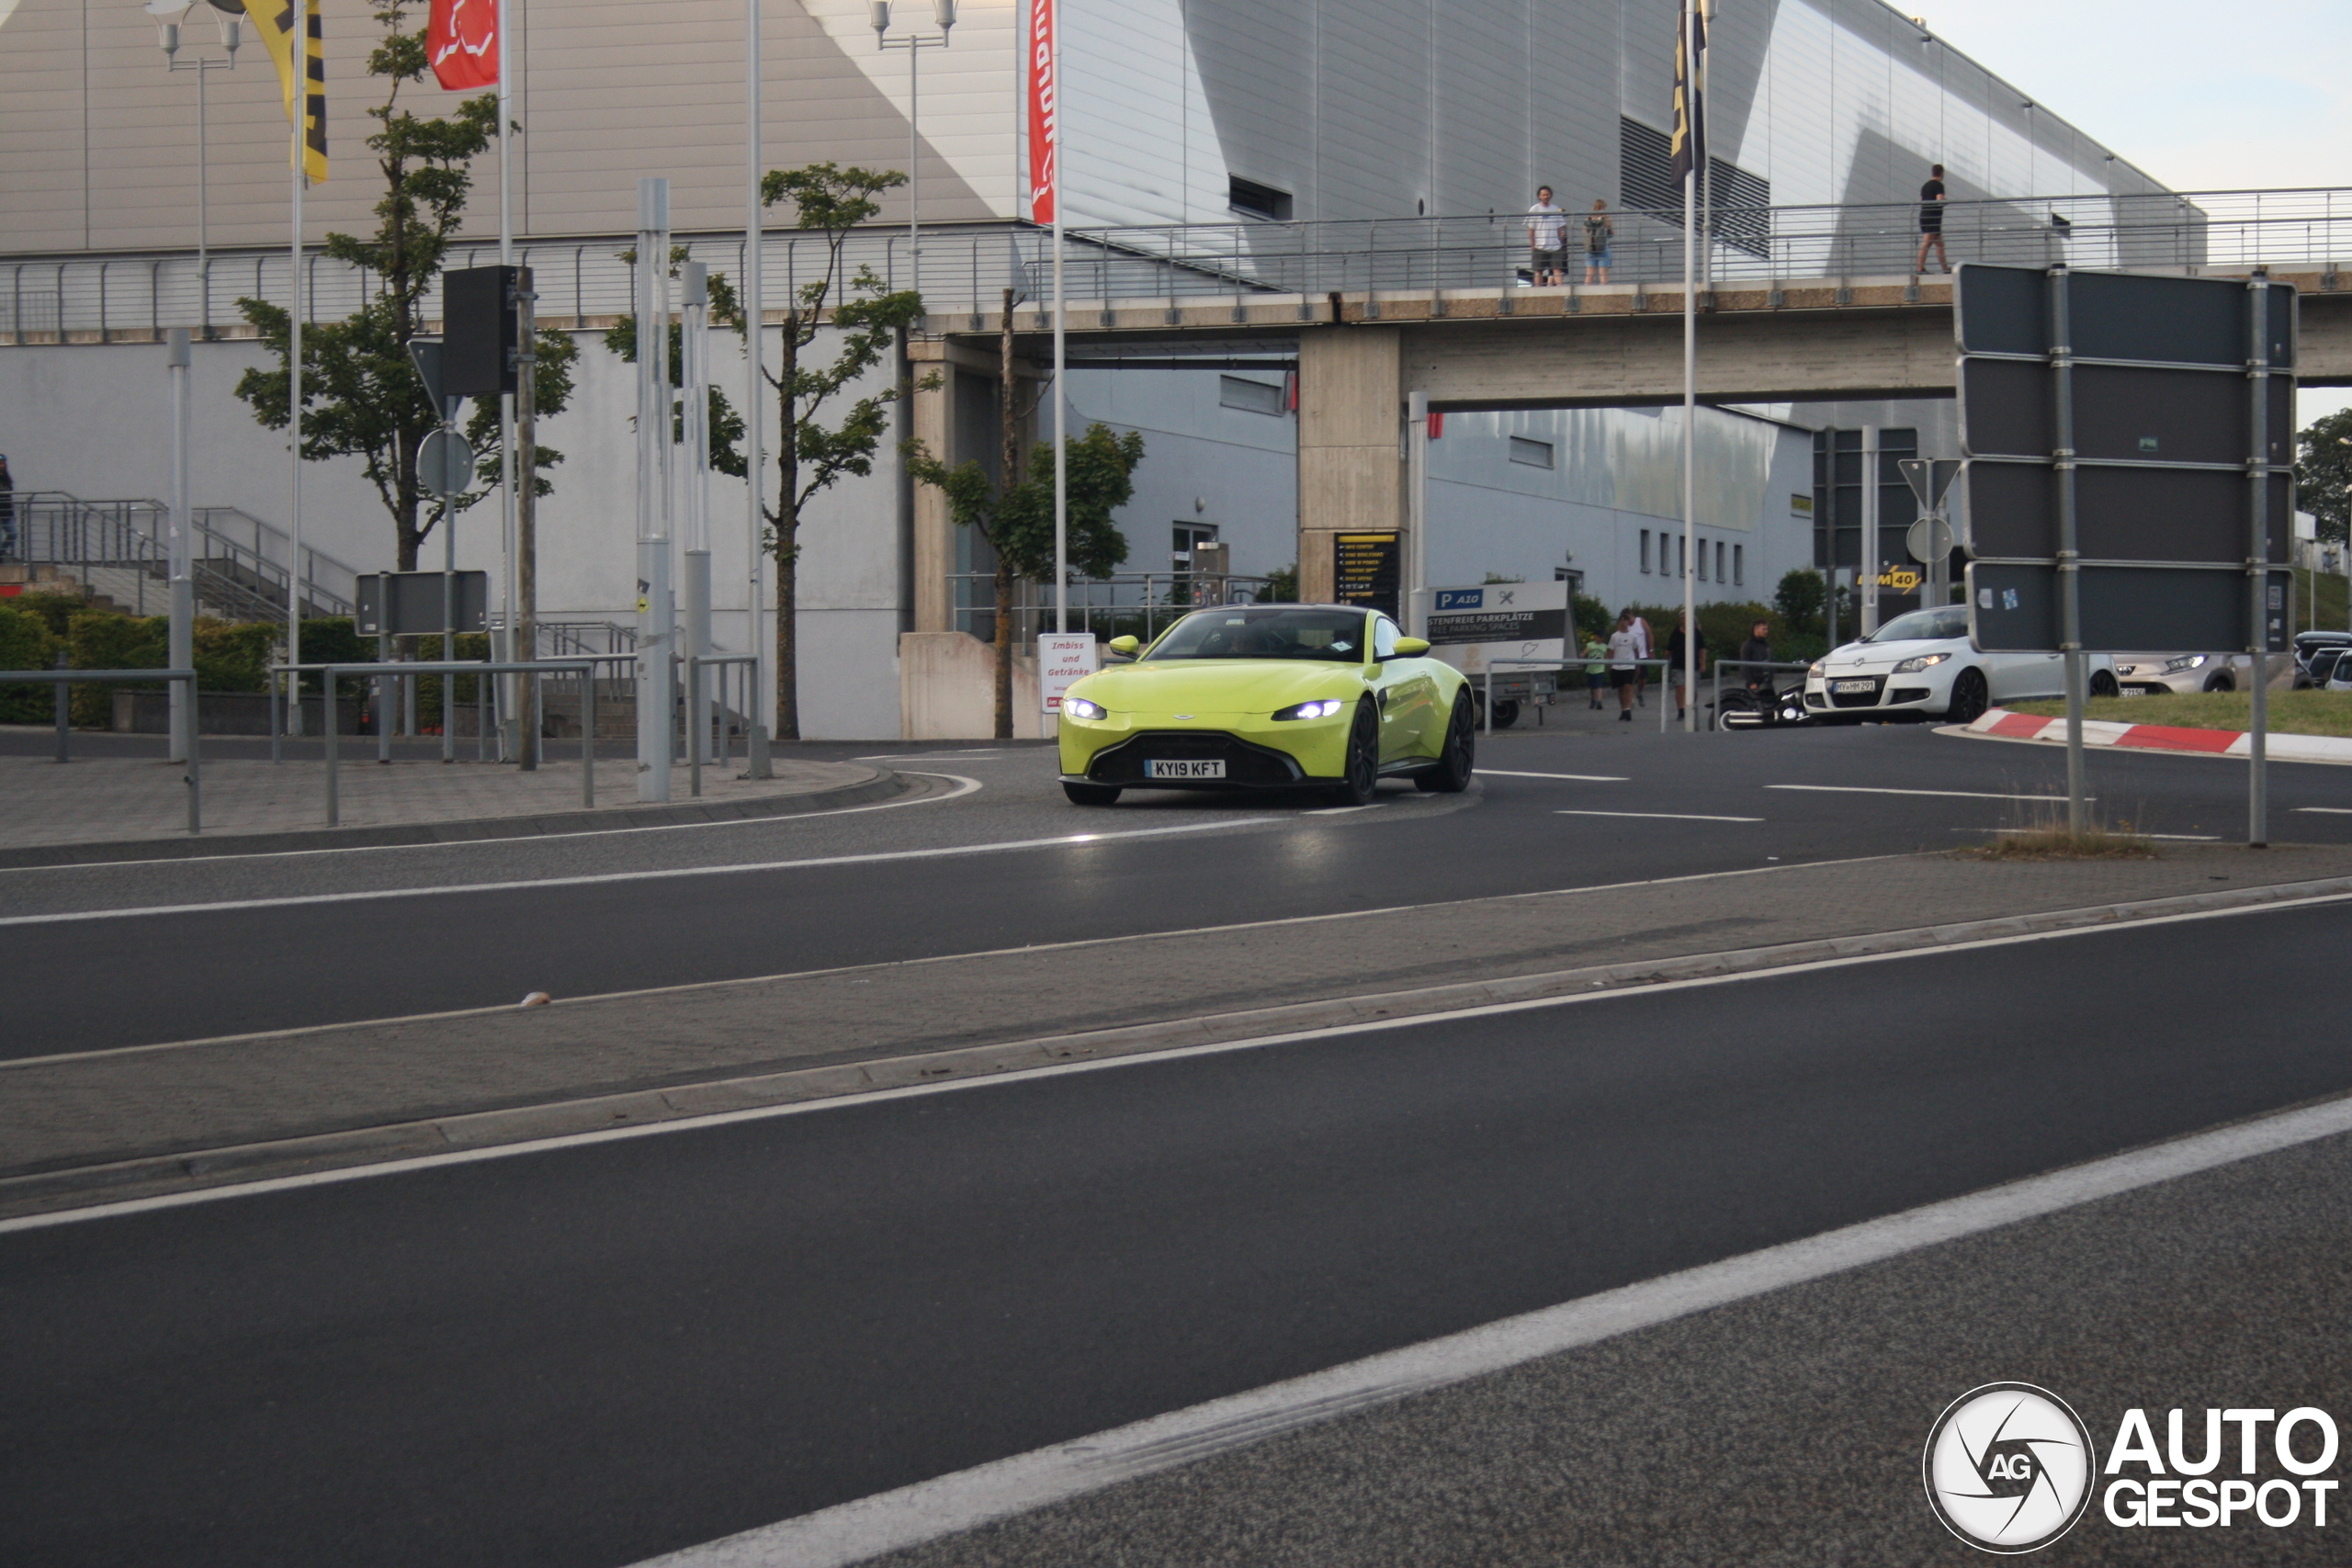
(1931, 220)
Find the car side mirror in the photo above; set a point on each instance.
(1411, 647)
(1125, 645)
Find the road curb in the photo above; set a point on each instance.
(2001, 724)
(884, 784)
(50, 1191)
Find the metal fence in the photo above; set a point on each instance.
(1124, 604)
(239, 563)
(967, 268)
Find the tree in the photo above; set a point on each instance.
(1017, 520)
(811, 456)
(1800, 599)
(360, 394)
(725, 425)
(2324, 473)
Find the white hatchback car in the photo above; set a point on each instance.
(2154, 674)
(1920, 666)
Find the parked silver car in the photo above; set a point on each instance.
(2154, 674)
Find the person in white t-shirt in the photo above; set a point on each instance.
(1624, 651)
(1547, 240)
(1641, 671)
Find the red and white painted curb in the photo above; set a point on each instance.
(2003, 724)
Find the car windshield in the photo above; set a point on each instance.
(1334, 636)
(1923, 625)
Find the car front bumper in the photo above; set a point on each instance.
(1258, 752)
(1916, 694)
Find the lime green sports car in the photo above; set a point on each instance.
(1317, 697)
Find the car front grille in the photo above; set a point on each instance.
(1868, 699)
(1244, 764)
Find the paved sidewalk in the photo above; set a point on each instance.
(856, 1028)
(113, 800)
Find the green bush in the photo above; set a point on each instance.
(26, 643)
(100, 639)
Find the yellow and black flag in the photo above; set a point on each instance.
(288, 41)
(1690, 147)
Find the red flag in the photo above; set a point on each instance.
(461, 39)
(1044, 120)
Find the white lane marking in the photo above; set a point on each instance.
(889, 1521)
(2168, 838)
(1579, 778)
(1660, 816)
(2330, 810)
(1029, 949)
(1340, 810)
(1111, 1064)
(1957, 794)
(671, 874)
(964, 786)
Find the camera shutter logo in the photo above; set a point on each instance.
(2008, 1468)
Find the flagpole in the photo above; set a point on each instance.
(1061, 398)
(754, 317)
(509, 596)
(1695, 153)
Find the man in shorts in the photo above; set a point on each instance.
(1548, 238)
(1931, 220)
(1624, 664)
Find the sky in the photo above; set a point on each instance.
(2202, 96)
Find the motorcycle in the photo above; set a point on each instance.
(1763, 707)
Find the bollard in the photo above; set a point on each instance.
(64, 706)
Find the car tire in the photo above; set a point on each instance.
(2104, 684)
(1970, 697)
(1456, 763)
(1091, 794)
(2221, 683)
(1506, 712)
(1361, 780)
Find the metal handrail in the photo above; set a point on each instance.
(1615, 664)
(583, 278)
(64, 680)
(57, 527)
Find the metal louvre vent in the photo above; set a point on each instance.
(1646, 183)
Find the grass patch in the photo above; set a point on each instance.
(2291, 713)
(2054, 840)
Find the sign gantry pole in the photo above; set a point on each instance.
(1061, 360)
(2257, 774)
(2070, 568)
(511, 741)
(754, 394)
(294, 439)
(1694, 157)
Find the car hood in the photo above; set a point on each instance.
(1875, 655)
(1217, 685)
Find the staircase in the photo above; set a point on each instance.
(115, 550)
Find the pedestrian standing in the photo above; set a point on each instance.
(1595, 667)
(1677, 648)
(7, 511)
(1548, 238)
(1625, 663)
(1931, 220)
(1642, 650)
(1597, 232)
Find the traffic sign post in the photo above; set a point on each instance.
(2127, 483)
(445, 465)
(1930, 479)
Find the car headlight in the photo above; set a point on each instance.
(1079, 707)
(1321, 707)
(2186, 661)
(1813, 670)
(1925, 662)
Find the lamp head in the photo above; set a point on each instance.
(943, 12)
(879, 12)
(167, 14)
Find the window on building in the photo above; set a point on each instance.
(1257, 397)
(1534, 454)
(1256, 200)
(1719, 555)
(1739, 563)
(1646, 546)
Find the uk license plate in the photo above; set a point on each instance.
(1847, 688)
(1159, 768)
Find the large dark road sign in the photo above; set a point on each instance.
(2133, 402)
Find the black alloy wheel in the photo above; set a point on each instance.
(1091, 794)
(1451, 774)
(1360, 781)
(1970, 697)
(2103, 684)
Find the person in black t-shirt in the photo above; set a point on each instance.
(1677, 651)
(1931, 220)
(1758, 649)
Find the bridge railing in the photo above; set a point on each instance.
(967, 268)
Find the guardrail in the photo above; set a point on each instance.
(584, 280)
(65, 679)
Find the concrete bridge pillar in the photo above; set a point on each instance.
(1351, 449)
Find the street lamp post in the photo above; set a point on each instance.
(943, 12)
(232, 28)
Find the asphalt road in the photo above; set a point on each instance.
(300, 943)
(593, 1354)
